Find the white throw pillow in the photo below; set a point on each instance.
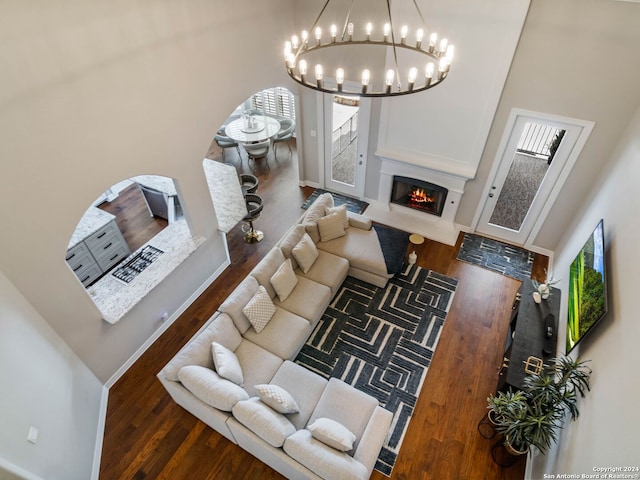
(271, 426)
(305, 253)
(277, 398)
(227, 364)
(260, 309)
(342, 211)
(211, 388)
(332, 433)
(284, 280)
(330, 227)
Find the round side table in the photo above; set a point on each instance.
(415, 239)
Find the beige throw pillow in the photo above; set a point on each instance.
(342, 211)
(330, 227)
(227, 364)
(305, 253)
(260, 309)
(284, 280)
(332, 433)
(277, 398)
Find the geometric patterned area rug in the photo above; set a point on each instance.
(514, 262)
(353, 204)
(381, 341)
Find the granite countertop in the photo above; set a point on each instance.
(157, 182)
(115, 298)
(92, 221)
(226, 194)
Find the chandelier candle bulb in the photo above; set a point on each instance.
(366, 76)
(389, 79)
(368, 30)
(350, 31)
(443, 46)
(334, 33)
(294, 42)
(386, 30)
(419, 37)
(433, 38)
(413, 73)
(340, 78)
(403, 34)
(319, 74)
(305, 38)
(318, 35)
(428, 73)
(449, 54)
(442, 68)
(302, 67)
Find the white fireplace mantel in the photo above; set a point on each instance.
(443, 228)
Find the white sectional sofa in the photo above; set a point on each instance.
(236, 374)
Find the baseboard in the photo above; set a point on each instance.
(121, 371)
(304, 183)
(14, 471)
(102, 418)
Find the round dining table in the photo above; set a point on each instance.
(264, 127)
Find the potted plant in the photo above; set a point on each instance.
(534, 417)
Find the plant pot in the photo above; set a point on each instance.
(513, 450)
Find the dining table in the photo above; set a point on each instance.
(255, 129)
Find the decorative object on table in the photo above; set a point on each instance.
(508, 260)
(406, 318)
(544, 289)
(415, 240)
(254, 208)
(353, 204)
(359, 38)
(533, 417)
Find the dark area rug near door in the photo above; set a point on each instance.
(381, 341)
(353, 204)
(508, 260)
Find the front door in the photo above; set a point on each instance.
(536, 155)
(346, 130)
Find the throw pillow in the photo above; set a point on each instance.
(342, 211)
(211, 388)
(305, 253)
(277, 398)
(260, 309)
(284, 280)
(332, 433)
(227, 364)
(330, 227)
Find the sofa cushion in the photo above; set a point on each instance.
(290, 240)
(309, 299)
(271, 426)
(259, 309)
(305, 253)
(284, 280)
(341, 210)
(303, 385)
(347, 406)
(277, 398)
(329, 270)
(330, 227)
(226, 363)
(325, 461)
(361, 248)
(198, 350)
(209, 387)
(258, 365)
(284, 335)
(235, 302)
(266, 268)
(332, 433)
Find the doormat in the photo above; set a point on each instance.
(353, 204)
(508, 260)
(381, 341)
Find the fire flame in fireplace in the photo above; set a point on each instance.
(420, 196)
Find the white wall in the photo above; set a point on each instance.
(605, 434)
(98, 91)
(45, 385)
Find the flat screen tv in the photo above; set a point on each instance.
(587, 288)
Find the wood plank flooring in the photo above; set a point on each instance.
(148, 436)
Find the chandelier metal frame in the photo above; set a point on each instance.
(440, 56)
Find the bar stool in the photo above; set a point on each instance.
(254, 207)
(248, 183)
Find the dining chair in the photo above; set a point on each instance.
(224, 142)
(257, 150)
(287, 128)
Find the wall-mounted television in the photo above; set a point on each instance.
(587, 288)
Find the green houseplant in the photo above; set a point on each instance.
(533, 416)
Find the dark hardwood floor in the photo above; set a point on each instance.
(148, 436)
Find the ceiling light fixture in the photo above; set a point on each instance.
(432, 58)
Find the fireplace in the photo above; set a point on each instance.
(419, 195)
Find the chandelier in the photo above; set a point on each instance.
(307, 55)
